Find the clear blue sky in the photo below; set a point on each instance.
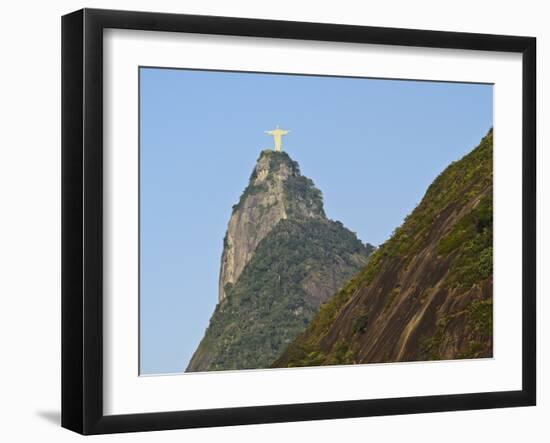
(371, 146)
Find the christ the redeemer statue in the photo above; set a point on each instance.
(277, 134)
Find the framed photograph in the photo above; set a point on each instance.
(268, 221)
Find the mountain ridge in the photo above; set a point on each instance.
(426, 293)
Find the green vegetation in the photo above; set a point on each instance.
(308, 196)
(480, 317)
(478, 325)
(430, 346)
(251, 189)
(360, 324)
(269, 306)
(476, 222)
(278, 158)
(342, 355)
(471, 241)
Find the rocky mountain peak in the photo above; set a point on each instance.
(274, 165)
(282, 259)
(276, 191)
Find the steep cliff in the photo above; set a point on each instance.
(263, 204)
(425, 294)
(281, 259)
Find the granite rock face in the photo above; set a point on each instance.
(263, 204)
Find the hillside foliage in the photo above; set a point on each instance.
(462, 192)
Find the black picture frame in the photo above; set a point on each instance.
(82, 218)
